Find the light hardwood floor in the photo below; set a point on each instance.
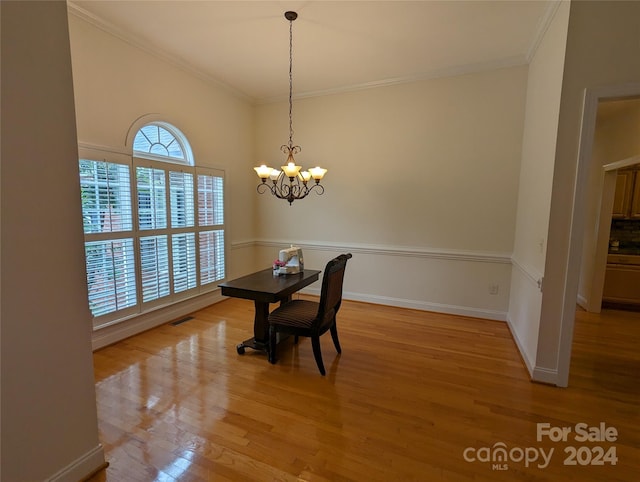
(411, 394)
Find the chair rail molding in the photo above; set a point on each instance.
(493, 267)
(391, 250)
(530, 274)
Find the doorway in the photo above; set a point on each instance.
(580, 214)
(593, 277)
(615, 138)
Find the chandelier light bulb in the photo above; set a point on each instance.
(275, 174)
(263, 171)
(317, 172)
(291, 170)
(305, 175)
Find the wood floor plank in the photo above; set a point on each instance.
(410, 393)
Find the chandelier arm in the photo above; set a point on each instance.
(296, 190)
(264, 187)
(283, 190)
(319, 187)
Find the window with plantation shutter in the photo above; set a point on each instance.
(210, 200)
(211, 256)
(154, 267)
(110, 275)
(211, 215)
(154, 226)
(106, 197)
(105, 191)
(183, 248)
(152, 198)
(182, 208)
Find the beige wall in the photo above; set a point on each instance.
(422, 188)
(536, 174)
(617, 133)
(49, 421)
(602, 50)
(117, 83)
(432, 223)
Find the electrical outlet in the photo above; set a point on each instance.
(494, 288)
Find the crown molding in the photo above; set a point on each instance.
(542, 28)
(455, 71)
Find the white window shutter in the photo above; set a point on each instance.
(106, 197)
(211, 256)
(183, 247)
(110, 275)
(152, 198)
(182, 204)
(154, 267)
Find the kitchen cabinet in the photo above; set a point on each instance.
(635, 198)
(627, 194)
(622, 284)
(626, 202)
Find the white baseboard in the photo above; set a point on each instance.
(82, 467)
(125, 329)
(529, 364)
(582, 302)
(545, 375)
(538, 374)
(119, 331)
(419, 305)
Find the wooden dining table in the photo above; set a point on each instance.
(264, 287)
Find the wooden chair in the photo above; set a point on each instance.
(310, 318)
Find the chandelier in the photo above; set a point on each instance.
(290, 183)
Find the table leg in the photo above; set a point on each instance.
(260, 340)
(284, 300)
(261, 322)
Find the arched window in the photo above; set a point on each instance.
(154, 225)
(162, 140)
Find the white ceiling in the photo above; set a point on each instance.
(338, 45)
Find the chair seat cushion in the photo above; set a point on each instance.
(296, 314)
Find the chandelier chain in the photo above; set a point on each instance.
(290, 83)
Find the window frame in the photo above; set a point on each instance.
(112, 157)
(134, 160)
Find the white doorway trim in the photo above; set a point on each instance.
(592, 97)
